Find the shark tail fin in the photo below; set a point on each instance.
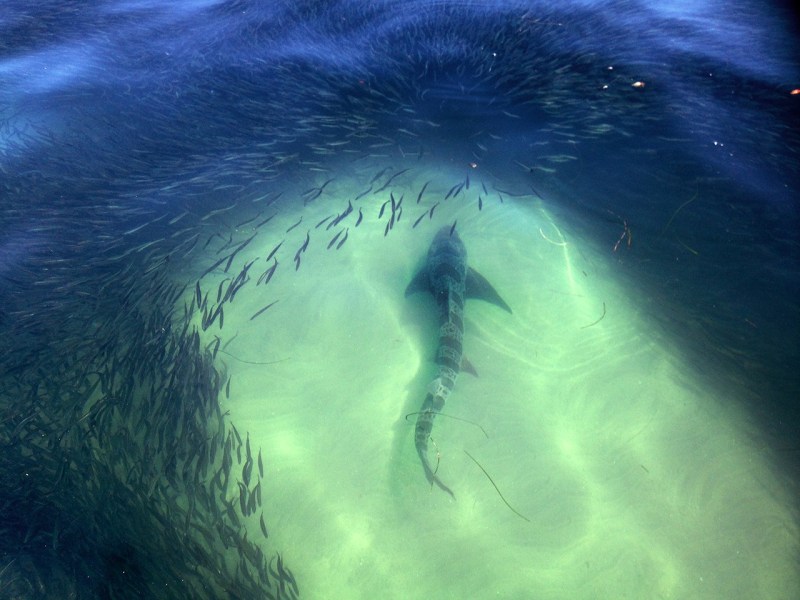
(430, 475)
(478, 287)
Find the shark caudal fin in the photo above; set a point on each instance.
(430, 475)
(478, 287)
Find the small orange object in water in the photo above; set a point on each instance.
(795, 92)
(638, 84)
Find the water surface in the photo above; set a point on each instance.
(210, 214)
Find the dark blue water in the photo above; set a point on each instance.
(137, 139)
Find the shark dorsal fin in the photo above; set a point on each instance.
(478, 287)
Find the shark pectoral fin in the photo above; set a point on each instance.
(466, 367)
(419, 283)
(478, 287)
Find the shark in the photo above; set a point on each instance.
(451, 281)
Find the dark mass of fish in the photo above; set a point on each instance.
(117, 457)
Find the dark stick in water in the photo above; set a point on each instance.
(515, 511)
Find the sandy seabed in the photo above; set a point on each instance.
(636, 479)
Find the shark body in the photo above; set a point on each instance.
(451, 281)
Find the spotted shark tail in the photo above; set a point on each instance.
(422, 433)
(447, 276)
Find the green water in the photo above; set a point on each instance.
(636, 478)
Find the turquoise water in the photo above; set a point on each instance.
(631, 474)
